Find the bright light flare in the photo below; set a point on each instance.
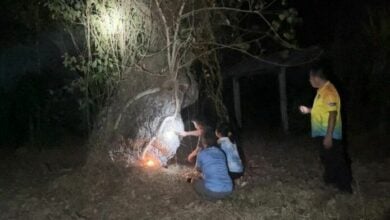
(163, 146)
(112, 22)
(150, 163)
(169, 135)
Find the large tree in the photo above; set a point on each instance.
(135, 63)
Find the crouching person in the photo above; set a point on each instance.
(215, 182)
(228, 145)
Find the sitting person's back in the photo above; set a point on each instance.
(211, 162)
(229, 146)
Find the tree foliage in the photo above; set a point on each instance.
(377, 31)
(118, 33)
(115, 36)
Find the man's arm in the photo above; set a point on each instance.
(329, 133)
(193, 154)
(304, 109)
(196, 133)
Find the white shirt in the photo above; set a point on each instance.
(232, 156)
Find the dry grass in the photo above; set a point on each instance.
(284, 183)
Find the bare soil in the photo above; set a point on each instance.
(283, 175)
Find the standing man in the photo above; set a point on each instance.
(326, 127)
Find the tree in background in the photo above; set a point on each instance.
(360, 56)
(135, 59)
(27, 59)
(377, 30)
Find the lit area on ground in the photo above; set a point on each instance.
(164, 145)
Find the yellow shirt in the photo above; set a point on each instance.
(326, 100)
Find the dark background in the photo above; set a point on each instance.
(339, 28)
(36, 107)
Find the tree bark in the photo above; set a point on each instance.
(237, 101)
(135, 117)
(283, 99)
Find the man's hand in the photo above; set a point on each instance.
(304, 110)
(191, 156)
(181, 133)
(328, 141)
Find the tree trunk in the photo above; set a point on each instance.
(379, 85)
(143, 113)
(141, 120)
(237, 101)
(283, 99)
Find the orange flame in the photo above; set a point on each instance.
(150, 163)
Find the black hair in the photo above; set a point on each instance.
(318, 73)
(224, 129)
(209, 138)
(200, 121)
(321, 69)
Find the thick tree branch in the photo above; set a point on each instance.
(131, 101)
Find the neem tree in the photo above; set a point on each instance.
(135, 64)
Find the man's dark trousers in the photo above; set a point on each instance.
(337, 167)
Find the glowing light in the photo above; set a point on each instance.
(112, 22)
(150, 163)
(169, 135)
(163, 146)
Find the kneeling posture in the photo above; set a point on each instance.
(211, 162)
(228, 145)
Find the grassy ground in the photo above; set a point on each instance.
(283, 175)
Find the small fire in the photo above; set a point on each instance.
(150, 163)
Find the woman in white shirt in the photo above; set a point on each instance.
(228, 145)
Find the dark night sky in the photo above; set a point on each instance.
(322, 20)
